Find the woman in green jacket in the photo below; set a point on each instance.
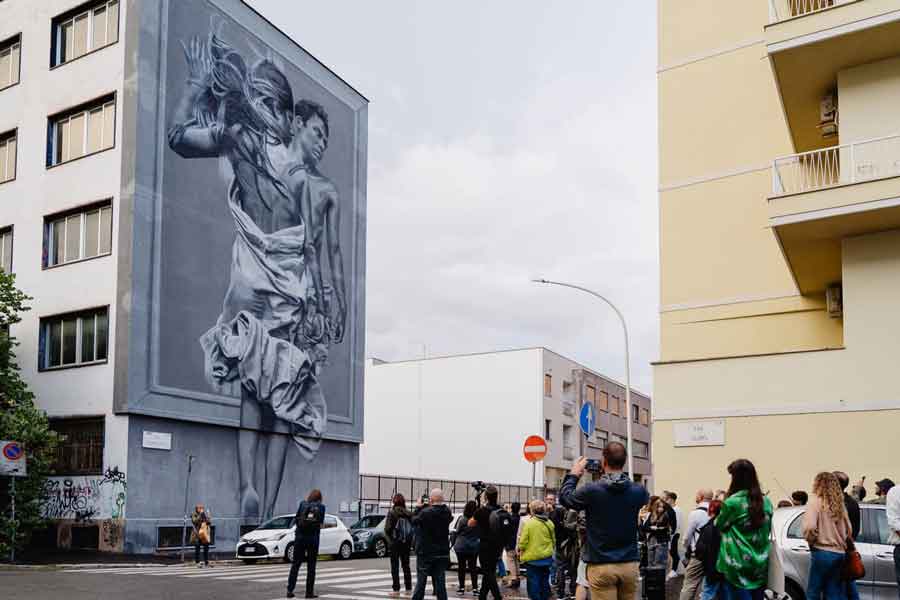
(745, 522)
(536, 546)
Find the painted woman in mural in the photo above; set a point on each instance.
(280, 314)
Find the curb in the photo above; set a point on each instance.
(123, 565)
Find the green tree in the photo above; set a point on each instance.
(22, 421)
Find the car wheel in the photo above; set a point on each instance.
(381, 549)
(249, 561)
(289, 553)
(346, 551)
(793, 590)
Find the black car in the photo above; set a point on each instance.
(368, 536)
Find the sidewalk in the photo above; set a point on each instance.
(91, 559)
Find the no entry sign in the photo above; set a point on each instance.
(12, 459)
(535, 448)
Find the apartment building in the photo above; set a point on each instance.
(127, 214)
(779, 146)
(465, 417)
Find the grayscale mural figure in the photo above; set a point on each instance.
(286, 303)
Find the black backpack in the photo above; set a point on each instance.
(403, 531)
(309, 518)
(501, 525)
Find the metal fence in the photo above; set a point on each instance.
(377, 491)
(838, 165)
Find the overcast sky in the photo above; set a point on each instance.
(507, 140)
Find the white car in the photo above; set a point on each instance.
(453, 524)
(275, 539)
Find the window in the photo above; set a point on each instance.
(603, 401)
(640, 449)
(547, 424)
(74, 339)
(590, 394)
(8, 156)
(635, 413)
(645, 416)
(879, 532)
(567, 385)
(85, 29)
(9, 61)
(614, 437)
(602, 438)
(82, 131)
(795, 531)
(78, 235)
(548, 384)
(329, 523)
(614, 406)
(80, 449)
(6, 242)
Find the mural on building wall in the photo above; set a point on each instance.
(252, 135)
(85, 499)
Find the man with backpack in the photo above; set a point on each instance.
(309, 519)
(697, 518)
(495, 526)
(399, 531)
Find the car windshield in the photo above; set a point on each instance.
(278, 523)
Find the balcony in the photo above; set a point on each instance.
(810, 41)
(820, 197)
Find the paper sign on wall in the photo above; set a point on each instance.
(156, 440)
(700, 433)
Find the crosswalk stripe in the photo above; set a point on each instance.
(243, 571)
(319, 574)
(132, 571)
(354, 586)
(343, 578)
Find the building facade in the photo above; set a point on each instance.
(466, 417)
(182, 193)
(779, 241)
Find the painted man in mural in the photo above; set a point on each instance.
(270, 343)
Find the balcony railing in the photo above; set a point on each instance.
(839, 165)
(782, 10)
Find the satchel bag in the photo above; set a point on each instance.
(203, 534)
(853, 567)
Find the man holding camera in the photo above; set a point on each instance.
(431, 521)
(494, 526)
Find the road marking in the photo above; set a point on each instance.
(354, 586)
(342, 578)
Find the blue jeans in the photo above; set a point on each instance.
(711, 590)
(501, 568)
(825, 576)
(731, 592)
(538, 581)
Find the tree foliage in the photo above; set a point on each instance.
(21, 421)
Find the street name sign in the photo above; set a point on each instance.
(535, 448)
(12, 459)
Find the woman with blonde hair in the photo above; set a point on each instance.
(826, 528)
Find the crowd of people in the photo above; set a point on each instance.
(603, 537)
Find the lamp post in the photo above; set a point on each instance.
(627, 362)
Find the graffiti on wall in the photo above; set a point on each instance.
(86, 498)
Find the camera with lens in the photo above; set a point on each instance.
(593, 465)
(479, 486)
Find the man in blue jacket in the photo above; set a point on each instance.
(611, 507)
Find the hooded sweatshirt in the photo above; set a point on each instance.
(611, 506)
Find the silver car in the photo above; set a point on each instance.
(880, 582)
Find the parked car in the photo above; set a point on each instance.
(368, 536)
(275, 539)
(453, 524)
(880, 582)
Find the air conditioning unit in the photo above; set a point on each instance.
(834, 304)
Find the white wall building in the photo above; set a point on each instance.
(466, 417)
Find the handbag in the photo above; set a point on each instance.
(853, 567)
(203, 534)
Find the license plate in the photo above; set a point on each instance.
(250, 550)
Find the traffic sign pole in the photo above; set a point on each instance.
(535, 449)
(12, 495)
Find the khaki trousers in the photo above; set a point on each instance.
(613, 581)
(693, 579)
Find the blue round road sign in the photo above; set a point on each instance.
(587, 419)
(12, 451)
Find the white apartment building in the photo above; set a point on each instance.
(466, 417)
(124, 203)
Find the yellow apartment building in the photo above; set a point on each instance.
(779, 199)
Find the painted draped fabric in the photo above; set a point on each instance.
(262, 341)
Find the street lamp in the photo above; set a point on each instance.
(627, 367)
